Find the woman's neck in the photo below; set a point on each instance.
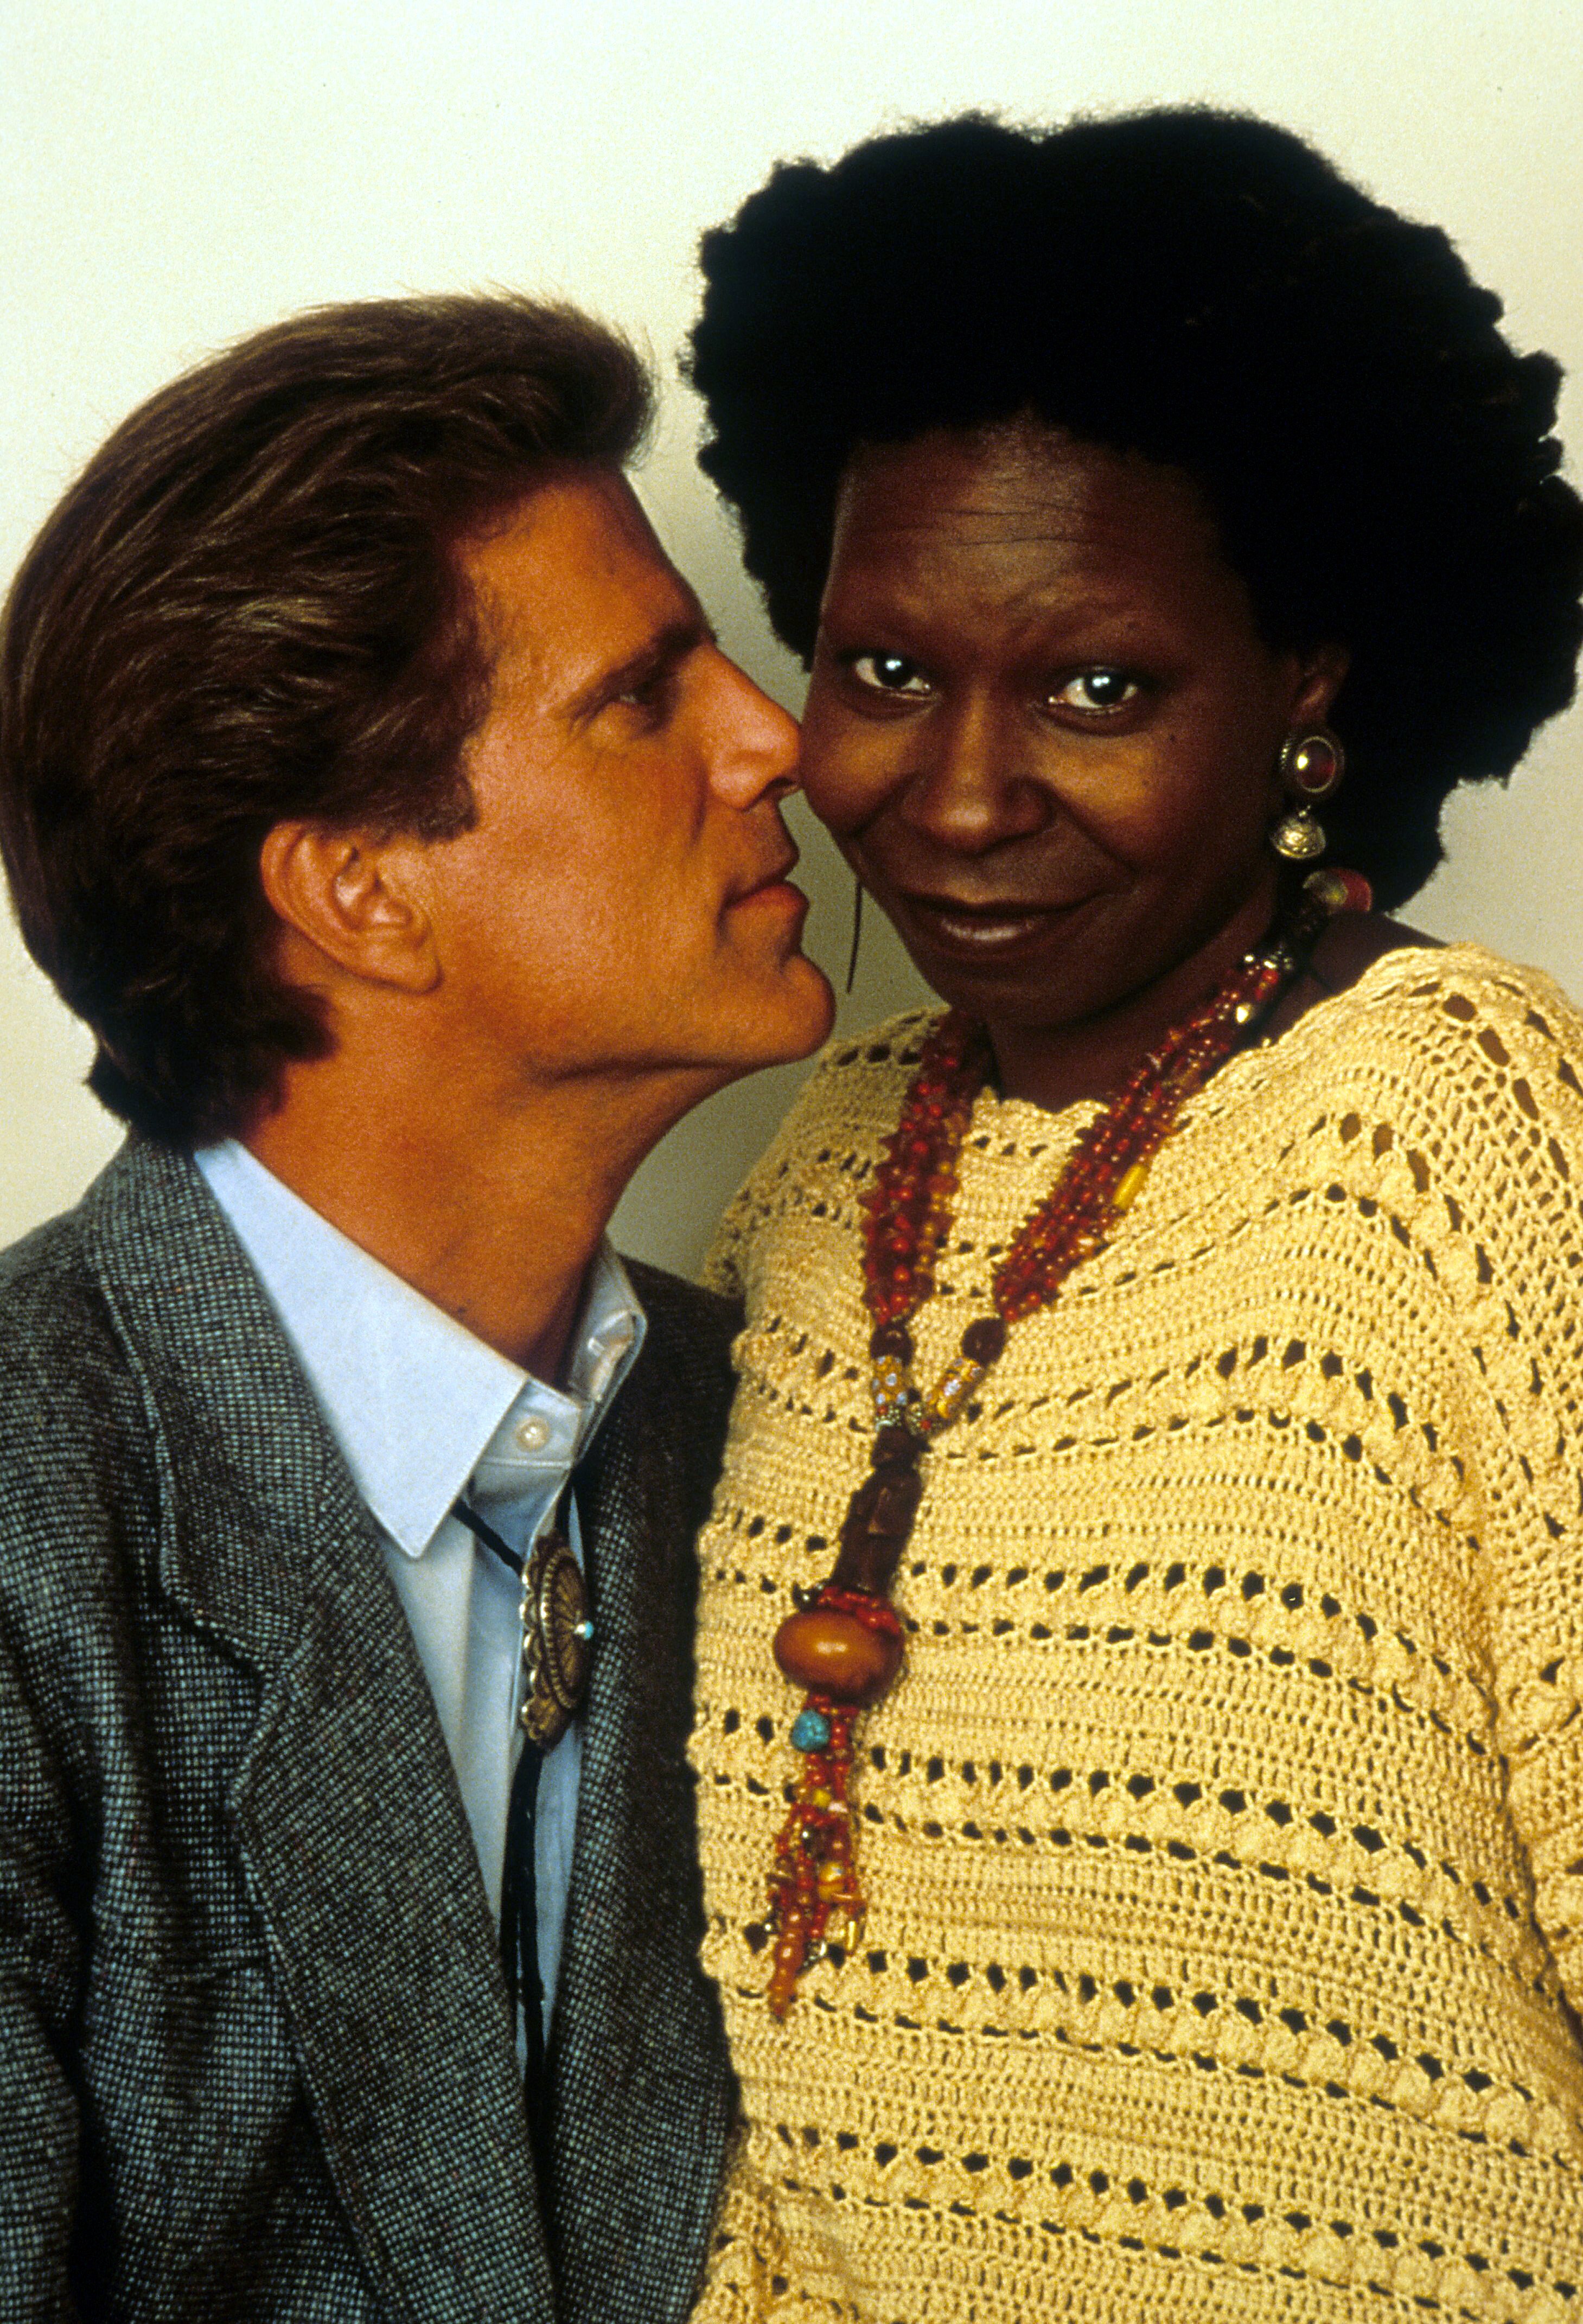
(1054, 1066)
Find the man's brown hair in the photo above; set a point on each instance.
(249, 608)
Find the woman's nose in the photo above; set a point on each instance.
(972, 788)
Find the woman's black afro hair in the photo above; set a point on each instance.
(1204, 289)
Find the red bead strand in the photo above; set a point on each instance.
(844, 1644)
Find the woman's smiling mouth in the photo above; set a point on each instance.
(976, 931)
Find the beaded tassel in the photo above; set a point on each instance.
(843, 1646)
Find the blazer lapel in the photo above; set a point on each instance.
(642, 2097)
(350, 1831)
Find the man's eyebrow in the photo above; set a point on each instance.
(663, 651)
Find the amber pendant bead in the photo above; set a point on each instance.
(835, 1654)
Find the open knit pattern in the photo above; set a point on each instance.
(1223, 1836)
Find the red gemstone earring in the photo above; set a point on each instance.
(1310, 765)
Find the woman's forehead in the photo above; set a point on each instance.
(1021, 500)
(1019, 479)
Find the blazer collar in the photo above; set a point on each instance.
(346, 1811)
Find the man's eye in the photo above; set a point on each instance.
(888, 673)
(1094, 691)
(652, 696)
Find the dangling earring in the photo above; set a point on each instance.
(851, 966)
(1310, 765)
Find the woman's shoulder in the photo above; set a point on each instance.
(830, 1139)
(1410, 968)
(855, 1089)
(862, 1077)
(1447, 1083)
(1451, 1013)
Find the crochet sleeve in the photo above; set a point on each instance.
(754, 2274)
(1502, 1181)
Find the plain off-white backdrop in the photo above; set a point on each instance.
(176, 174)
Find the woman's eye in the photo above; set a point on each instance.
(1095, 690)
(888, 673)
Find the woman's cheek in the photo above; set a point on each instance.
(846, 784)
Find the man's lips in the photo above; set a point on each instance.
(771, 886)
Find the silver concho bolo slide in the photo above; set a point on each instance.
(557, 1635)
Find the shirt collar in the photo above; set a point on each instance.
(414, 1401)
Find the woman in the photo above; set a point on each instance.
(1187, 1670)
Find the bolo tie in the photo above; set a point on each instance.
(557, 1654)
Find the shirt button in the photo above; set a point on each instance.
(531, 1435)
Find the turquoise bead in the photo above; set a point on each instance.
(810, 1731)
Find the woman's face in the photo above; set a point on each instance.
(1044, 729)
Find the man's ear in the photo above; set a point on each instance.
(353, 900)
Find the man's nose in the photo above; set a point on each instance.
(754, 743)
(969, 788)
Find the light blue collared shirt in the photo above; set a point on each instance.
(423, 1414)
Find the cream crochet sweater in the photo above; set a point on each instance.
(1224, 1834)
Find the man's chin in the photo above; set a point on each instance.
(779, 1018)
(806, 1009)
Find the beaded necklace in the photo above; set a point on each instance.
(844, 1643)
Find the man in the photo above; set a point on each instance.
(374, 788)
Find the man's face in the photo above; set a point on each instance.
(620, 909)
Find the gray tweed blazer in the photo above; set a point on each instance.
(254, 2055)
